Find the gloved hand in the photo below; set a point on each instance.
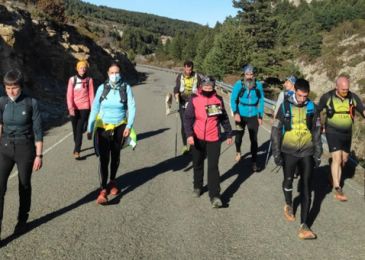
(317, 161)
(278, 159)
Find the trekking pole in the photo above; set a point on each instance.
(268, 154)
(176, 124)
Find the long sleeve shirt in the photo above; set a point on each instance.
(80, 94)
(111, 110)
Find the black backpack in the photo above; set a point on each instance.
(122, 93)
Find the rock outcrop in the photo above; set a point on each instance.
(47, 53)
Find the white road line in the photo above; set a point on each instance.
(45, 152)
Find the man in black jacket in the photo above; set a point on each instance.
(296, 141)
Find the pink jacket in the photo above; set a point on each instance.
(80, 95)
(203, 117)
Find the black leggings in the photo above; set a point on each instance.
(253, 128)
(182, 118)
(200, 150)
(305, 166)
(79, 121)
(109, 144)
(22, 154)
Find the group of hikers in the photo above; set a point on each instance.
(108, 116)
(295, 134)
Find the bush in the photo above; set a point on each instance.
(54, 9)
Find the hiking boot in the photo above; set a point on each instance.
(197, 192)
(20, 227)
(184, 150)
(238, 157)
(112, 188)
(339, 195)
(216, 202)
(306, 233)
(102, 198)
(289, 213)
(76, 155)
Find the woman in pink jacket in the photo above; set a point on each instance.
(204, 114)
(80, 95)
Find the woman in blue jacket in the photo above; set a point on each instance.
(112, 117)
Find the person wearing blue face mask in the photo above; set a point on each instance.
(111, 119)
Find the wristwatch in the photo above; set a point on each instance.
(39, 155)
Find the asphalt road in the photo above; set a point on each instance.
(156, 215)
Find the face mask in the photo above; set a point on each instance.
(207, 93)
(114, 78)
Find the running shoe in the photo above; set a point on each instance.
(289, 213)
(237, 158)
(112, 188)
(339, 195)
(197, 192)
(216, 202)
(102, 198)
(306, 233)
(76, 155)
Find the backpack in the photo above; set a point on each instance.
(331, 108)
(286, 106)
(122, 93)
(75, 80)
(242, 92)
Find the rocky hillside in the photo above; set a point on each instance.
(343, 52)
(47, 52)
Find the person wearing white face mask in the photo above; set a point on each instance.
(21, 143)
(111, 119)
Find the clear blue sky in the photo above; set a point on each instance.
(199, 11)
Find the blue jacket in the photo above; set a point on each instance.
(111, 110)
(246, 106)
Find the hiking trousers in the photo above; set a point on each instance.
(79, 122)
(21, 153)
(211, 150)
(109, 146)
(305, 166)
(252, 124)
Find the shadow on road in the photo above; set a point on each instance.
(151, 133)
(127, 182)
(243, 171)
(320, 187)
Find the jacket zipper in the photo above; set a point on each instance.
(206, 121)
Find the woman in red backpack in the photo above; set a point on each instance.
(204, 114)
(80, 95)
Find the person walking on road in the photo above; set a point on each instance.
(296, 142)
(204, 114)
(340, 105)
(187, 83)
(247, 104)
(21, 143)
(80, 95)
(112, 116)
(289, 90)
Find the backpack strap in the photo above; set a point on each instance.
(75, 81)
(286, 108)
(310, 115)
(122, 93)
